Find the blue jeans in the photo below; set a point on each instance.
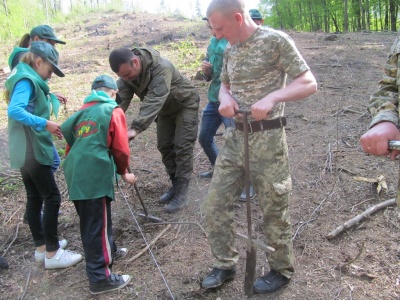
(210, 122)
(56, 161)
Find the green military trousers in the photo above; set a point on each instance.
(176, 137)
(269, 174)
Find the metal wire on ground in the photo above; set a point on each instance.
(144, 238)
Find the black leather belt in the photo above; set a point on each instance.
(263, 125)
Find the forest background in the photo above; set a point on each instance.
(303, 15)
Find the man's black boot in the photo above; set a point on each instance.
(270, 282)
(217, 277)
(207, 174)
(180, 197)
(171, 192)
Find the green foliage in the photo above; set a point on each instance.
(16, 19)
(189, 55)
(331, 15)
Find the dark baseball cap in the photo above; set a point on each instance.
(47, 52)
(104, 81)
(45, 32)
(255, 14)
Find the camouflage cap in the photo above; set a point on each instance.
(45, 32)
(104, 81)
(255, 14)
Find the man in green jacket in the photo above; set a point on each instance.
(172, 101)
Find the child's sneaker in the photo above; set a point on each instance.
(120, 253)
(62, 259)
(112, 283)
(39, 256)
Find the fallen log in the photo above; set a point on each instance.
(360, 217)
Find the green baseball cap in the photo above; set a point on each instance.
(45, 32)
(47, 52)
(104, 81)
(255, 14)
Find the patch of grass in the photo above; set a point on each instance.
(185, 54)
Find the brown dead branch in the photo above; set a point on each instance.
(26, 285)
(352, 260)
(313, 216)
(346, 109)
(164, 223)
(315, 47)
(12, 242)
(328, 65)
(150, 244)
(360, 217)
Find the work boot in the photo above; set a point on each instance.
(171, 192)
(180, 197)
(217, 277)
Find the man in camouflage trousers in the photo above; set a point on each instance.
(256, 63)
(172, 101)
(384, 108)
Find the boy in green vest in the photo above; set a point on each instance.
(97, 148)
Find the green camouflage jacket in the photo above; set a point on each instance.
(161, 89)
(384, 102)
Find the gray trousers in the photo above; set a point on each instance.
(176, 137)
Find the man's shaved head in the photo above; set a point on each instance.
(225, 7)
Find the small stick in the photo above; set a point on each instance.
(354, 259)
(26, 286)
(316, 210)
(150, 244)
(360, 217)
(9, 219)
(15, 237)
(315, 47)
(194, 223)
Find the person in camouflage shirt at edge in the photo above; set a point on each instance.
(256, 64)
(384, 108)
(172, 101)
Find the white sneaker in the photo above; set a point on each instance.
(62, 259)
(39, 256)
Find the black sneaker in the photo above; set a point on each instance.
(242, 197)
(208, 174)
(270, 283)
(217, 277)
(112, 283)
(120, 253)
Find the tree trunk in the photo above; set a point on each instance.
(5, 7)
(393, 13)
(362, 12)
(345, 17)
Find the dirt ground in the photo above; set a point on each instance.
(323, 137)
